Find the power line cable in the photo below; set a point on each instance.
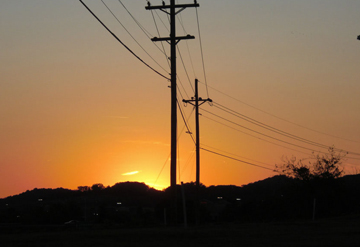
(162, 168)
(245, 162)
(314, 151)
(162, 45)
(278, 131)
(267, 127)
(191, 61)
(255, 136)
(146, 32)
(202, 54)
(161, 20)
(179, 52)
(257, 132)
(122, 42)
(182, 86)
(185, 122)
(158, 32)
(182, 61)
(187, 44)
(132, 35)
(187, 126)
(190, 158)
(187, 96)
(282, 119)
(266, 164)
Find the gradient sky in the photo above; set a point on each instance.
(78, 109)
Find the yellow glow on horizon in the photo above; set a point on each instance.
(156, 186)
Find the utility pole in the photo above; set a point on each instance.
(173, 40)
(196, 101)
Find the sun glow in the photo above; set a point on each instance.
(156, 186)
(130, 173)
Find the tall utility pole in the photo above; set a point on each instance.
(196, 101)
(173, 40)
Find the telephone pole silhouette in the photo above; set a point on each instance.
(196, 101)
(173, 40)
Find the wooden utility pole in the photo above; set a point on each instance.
(173, 40)
(196, 101)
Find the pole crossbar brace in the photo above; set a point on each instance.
(176, 38)
(200, 99)
(183, 6)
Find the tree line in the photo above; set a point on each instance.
(307, 189)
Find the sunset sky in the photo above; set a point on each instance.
(77, 108)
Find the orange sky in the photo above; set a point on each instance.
(78, 109)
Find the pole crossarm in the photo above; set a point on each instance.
(182, 6)
(169, 38)
(200, 101)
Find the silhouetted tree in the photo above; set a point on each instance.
(317, 182)
(97, 187)
(83, 188)
(324, 166)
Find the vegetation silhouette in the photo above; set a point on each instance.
(316, 182)
(133, 204)
(319, 167)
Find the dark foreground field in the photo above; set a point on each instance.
(334, 232)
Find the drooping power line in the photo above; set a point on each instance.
(131, 34)
(202, 53)
(272, 115)
(245, 162)
(122, 42)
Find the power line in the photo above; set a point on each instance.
(268, 127)
(278, 131)
(156, 26)
(285, 120)
(202, 54)
(167, 58)
(122, 42)
(162, 45)
(314, 151)
(132, 35)
(162, 169)
(182, 86)
(187, 44)
(146, 32)
(245, 162)
(182, 61)
(162, 21)
(190, 158)
(187, 126)
(257, 132)
(236, 155)
(256, 136)
(185, 122)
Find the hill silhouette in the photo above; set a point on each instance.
(278, 198)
